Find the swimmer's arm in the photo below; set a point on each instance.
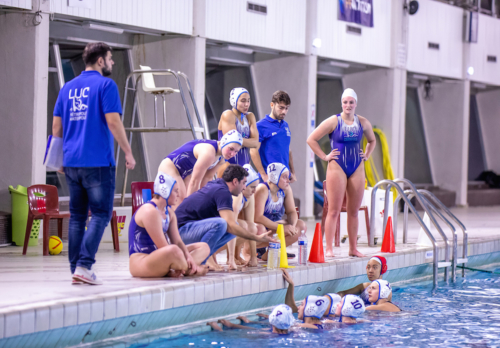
(290, 297)
(210, 174)
(253, 141)
(205, 155)
(231, 325)
(214, 326)
(325, 127)
(370, 136)
(290, 210)
(358, 289)
(262, 315)
(249, 210)
(307, 326)
(173, 234)
(236, 205)
(261, 195)
(151, 219)
(237, 230)
(254, 154)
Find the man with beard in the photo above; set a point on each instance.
(274, 138)
(87, 117)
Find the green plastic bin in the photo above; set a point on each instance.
(20, 217)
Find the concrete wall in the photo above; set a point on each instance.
(180, 54)
(23, 96)
(446, 123)
(284, 73)
(488, 104)
(379, 98)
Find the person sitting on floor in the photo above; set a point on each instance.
(375, 268)
(379, 292)
(272, 200)
(155, 246)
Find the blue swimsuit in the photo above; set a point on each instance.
(184, 159)
(347, 139)
(243, 156)
(274, 211)
(139, 240)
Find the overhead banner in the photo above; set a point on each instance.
(356, 11)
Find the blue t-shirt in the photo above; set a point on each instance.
(274, 137)
(82, 104)
(205, 203)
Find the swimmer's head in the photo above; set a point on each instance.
(379, 289)
(313, 307)
(240, 99)
(165, 186)
(334, 300)
(375, 267)
(279, 175)
(349, 101)
(351, 306)
(252, 181)
(281, 318)
(231, 143)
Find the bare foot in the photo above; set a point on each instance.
(356, 253)
(175, 273)
(233, 266)
(254, 262)
(212, 266)
(202, 270)
(240, 261)
(243, 319)
(264, 256)
(214, 325)
(329, 253)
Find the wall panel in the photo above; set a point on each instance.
(25, 4)
(282, 28)
(167, 15)
(373, 46)
(439, 23)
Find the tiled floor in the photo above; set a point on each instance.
(31, 279)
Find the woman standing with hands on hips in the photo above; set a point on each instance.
(346, 170)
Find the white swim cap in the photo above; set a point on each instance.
(233, 136)
(349, 92)
(235, 95)
(281, 317)
(334, 298)
(384, 288)
(274, 171)
(353, 306)
(315, 306)
(163, 185)
(252, 174)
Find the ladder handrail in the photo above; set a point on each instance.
(390, 183)
(195, 107)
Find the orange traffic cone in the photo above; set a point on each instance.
(317, 254)
(388, 245)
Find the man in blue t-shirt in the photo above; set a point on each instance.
(274, 138)
(207, 215)
(87, 117)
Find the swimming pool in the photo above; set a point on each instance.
(466, 313)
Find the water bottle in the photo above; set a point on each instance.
(273, 254)
(302, 248)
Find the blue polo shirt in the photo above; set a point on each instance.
(82, 104)
(274, 137)
(205, 203)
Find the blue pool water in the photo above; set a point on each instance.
(466, 313)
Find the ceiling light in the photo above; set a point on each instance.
(317, 42)
(479, 85)
(96, 26)
(420, 77)
(470, 71)
(239, 49)
(339, 64)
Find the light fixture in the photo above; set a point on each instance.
(339, 64)
(420, 77)
(95, 26)
(479, 85)
(470, 71)
(317, 42)
(239, 49)
(329, 74)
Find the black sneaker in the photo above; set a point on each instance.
(260, 252)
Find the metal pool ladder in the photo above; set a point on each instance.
(424, 197)
(132, 129)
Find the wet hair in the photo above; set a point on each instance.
(157, 196)
(93, 51)
(281, 97)
(234, 171)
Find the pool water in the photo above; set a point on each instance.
(466, 313)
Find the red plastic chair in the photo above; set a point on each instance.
(44, 207)
(114, 230)
(137, 198)
(343, 210)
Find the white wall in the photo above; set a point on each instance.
(446, 124)
(283, 74)
(438, 23)
(23, 96)
(283, 28)
(488, 43)
(488, 104)
(26, 4)
(373, 46)
(173, 15)
(181, 54)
